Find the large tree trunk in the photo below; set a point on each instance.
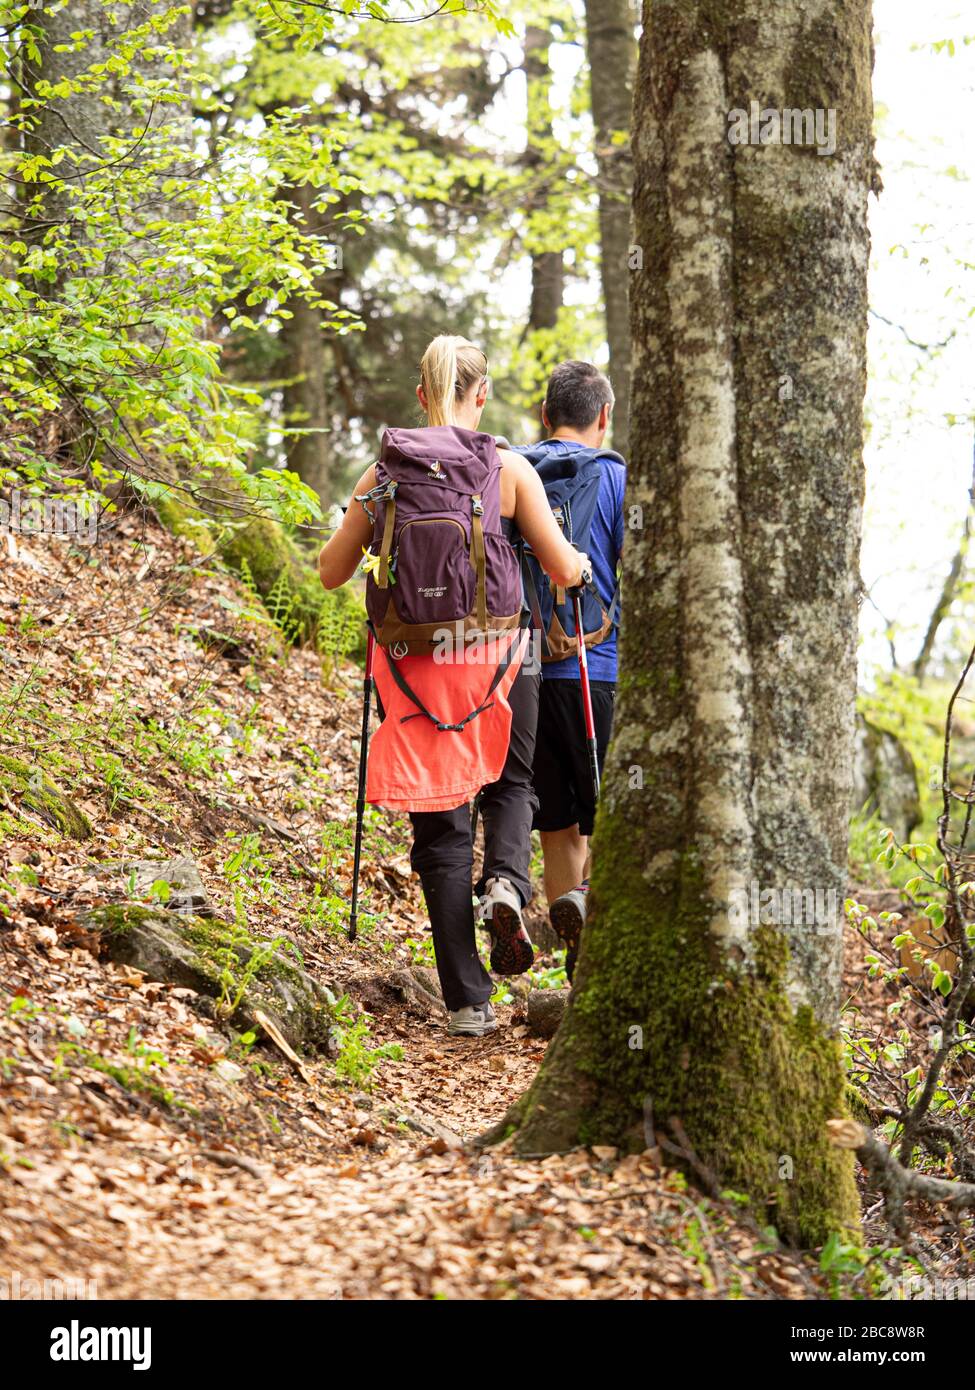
(547, 267)
(10, 138)
(306, 400)
(611, 49)
(732, 756)
(548, 271)
(76, 125)
(73, 130)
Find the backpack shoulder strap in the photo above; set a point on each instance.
(531, 597)
(614, 608)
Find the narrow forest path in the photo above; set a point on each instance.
(142, 1148)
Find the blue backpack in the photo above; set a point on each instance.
(571, 483)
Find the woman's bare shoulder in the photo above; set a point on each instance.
(509, 459)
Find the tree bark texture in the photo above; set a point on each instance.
(729, 772)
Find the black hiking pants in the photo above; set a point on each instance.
(443, 853)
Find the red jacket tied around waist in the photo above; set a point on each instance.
(414, 765)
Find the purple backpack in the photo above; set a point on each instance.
(443, 562)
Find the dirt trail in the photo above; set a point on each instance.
(343, 1196)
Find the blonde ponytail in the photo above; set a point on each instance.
(449, 368)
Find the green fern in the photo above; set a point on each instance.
(247, 579)
(282, 608)
(341, 620)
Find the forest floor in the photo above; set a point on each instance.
(146, 1151)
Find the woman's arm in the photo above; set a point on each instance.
(342, 555)
(561, 561)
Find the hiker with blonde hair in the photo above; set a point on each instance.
(435, 522)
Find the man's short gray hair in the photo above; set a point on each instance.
(577, 392)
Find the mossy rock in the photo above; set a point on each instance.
(40, 794)
(181, 518)
(193, 952)
(545, 1008)
(263, 551)
(885, 779)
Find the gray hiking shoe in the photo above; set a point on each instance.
(568, 917)
(472, 1021)
(500, 910)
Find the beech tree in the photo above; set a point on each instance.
(101, 93)
(730, 766)
(305, 393)
(548, 270)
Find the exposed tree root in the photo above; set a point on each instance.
(896, 1182)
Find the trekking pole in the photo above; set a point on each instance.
(586, 692)
(360, 805)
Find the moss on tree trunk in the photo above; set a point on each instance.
(661, 1025)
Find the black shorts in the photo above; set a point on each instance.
(563, 782)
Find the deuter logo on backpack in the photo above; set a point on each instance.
(439, 557)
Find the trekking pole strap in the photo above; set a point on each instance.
(586, 693)
(614, 608)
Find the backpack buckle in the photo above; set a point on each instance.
(477, 506)
(382, 492)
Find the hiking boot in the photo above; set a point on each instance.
(500, 910)
(568, 917)
(472, 1021)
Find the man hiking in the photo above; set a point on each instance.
(576, 414)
